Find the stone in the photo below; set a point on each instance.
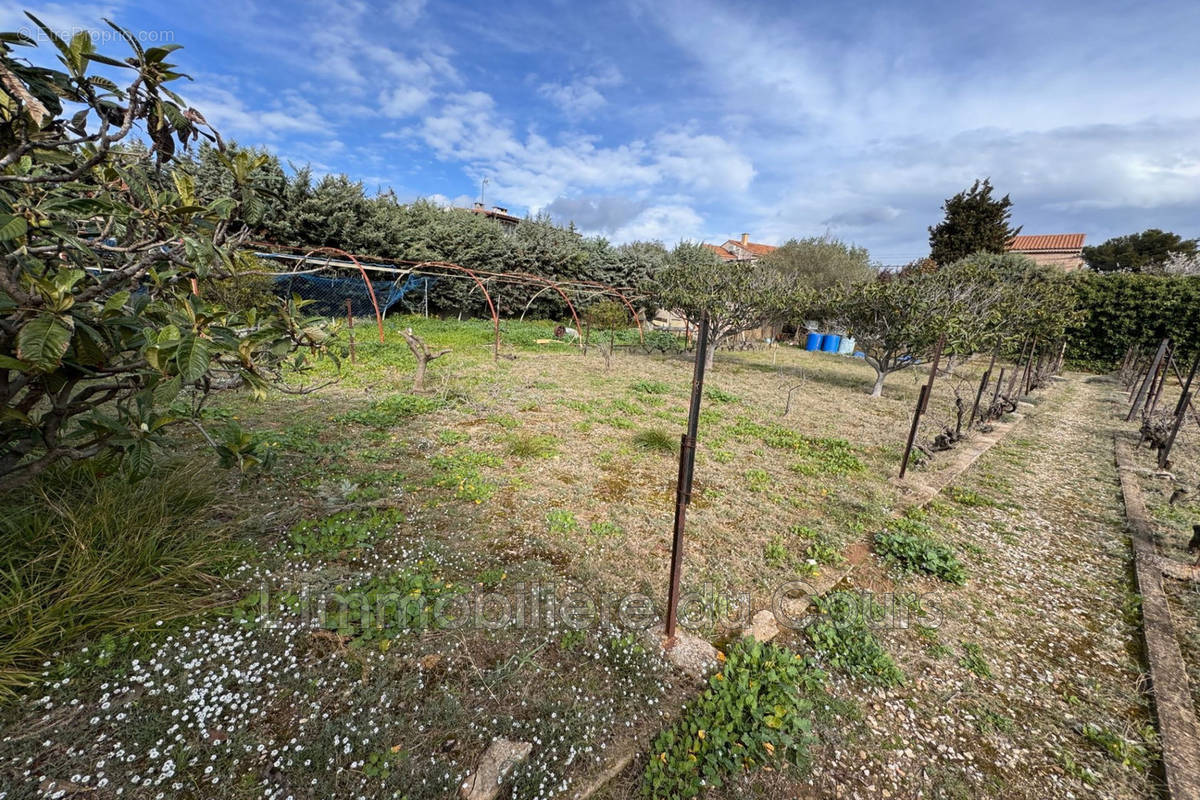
(688, 653)
(763, 626)
(494, 765)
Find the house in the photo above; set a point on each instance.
(498, 213)
(740, 250)
(1052, 249)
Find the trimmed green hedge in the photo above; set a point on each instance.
(1122, 309)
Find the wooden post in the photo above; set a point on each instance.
(1162, 382)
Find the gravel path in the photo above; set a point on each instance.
(1063, 713)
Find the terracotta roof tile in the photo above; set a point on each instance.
(1051, 241)
(721, 252)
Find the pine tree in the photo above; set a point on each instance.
(974, 222)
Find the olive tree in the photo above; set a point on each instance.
(103, 342)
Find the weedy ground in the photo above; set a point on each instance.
(501, 518)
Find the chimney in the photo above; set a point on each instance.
(745, 239)
(479, 206)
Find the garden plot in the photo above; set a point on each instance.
(506, 479)
(1026, 681)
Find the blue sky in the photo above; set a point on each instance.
(669, 120)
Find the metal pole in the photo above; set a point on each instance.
(350, 323)
(1150, 375)
(683, 487)
(912, 432)
(937, 357)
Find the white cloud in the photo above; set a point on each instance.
(665, 223)
(402, 101)
(582, 96)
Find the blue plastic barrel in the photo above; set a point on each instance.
(830, 342)
(812, 342)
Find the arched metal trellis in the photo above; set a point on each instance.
(408, 267)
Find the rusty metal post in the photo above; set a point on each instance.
(912, 432)
(937, 357)
(1151, 374)
(350, 324)
(683, 487)
(1124, 371)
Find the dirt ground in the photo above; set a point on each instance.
(557, 469)
(1060, 710)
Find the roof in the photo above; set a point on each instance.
(1048, 241)
(721, 252)
(754, 247)
(730, 251)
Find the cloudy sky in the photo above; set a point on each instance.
(671, 119)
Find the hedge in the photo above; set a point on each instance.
(1122, 309)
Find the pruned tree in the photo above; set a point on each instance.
(737, 297)
(103, 343)
(974, 222)
(422, 354)
(891, 320)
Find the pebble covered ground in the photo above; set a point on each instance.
(1055, 704)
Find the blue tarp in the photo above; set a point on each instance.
(329, 295)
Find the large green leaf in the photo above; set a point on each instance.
(192, 357)
(43, 340)
(11, 227)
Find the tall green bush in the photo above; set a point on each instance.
(1120, 309)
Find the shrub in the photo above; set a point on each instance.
(754, 712)
(909, 548)
(656, 440)
(83, 554)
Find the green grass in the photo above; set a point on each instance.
(656, 440)
(529, 445)
(645, 386)
(83, 554)
(390, 411)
